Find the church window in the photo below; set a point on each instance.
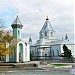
(45, 33)
(45, 56)
(53, 52)
(51, 33)
(37, 53)
(58, 52)
(18, 32)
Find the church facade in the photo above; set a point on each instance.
(48, 47)
(22, 53)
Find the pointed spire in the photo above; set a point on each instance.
(66, 37)
(17, 21)
(47, 26)
(30, 40)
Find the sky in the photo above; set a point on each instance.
(32, 14)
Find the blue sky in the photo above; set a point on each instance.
(32, 14)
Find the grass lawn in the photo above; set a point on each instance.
(59, 64)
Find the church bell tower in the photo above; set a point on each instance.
(17, 26)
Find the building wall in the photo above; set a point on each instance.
(17, 33)
(27, 52)
(41, 51)
(12, 56)
(33, 49)
(12, 59)
(56, 51)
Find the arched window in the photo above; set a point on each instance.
(45, 33)
(20, 52)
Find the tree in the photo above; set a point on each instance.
(1, 23)
(7, 42)
(5, 39)
(67, 53)
(65, 49)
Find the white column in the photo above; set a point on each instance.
(28, 52)
(17, 53)
(41, 53)
(24, 53)
(7, 55)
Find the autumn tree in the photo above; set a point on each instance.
(2, 23)
(5, 41)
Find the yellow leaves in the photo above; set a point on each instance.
(2, 49)
(12, 52)
(5, 37)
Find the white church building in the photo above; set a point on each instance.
(47, 46)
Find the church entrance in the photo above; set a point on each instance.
(20, 52)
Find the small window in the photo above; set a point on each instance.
(45, 55)
(45, 33)
(53, 52)
(18, 32)
(51, 33)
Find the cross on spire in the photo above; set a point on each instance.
(47, 18)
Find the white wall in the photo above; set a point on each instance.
(57, 51)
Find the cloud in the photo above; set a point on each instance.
(32, 14)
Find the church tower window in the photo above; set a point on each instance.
(51, 33)
(45, 33)
(18, 32)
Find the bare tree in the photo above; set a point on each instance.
(1, 23)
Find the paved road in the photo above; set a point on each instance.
(36, 71)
